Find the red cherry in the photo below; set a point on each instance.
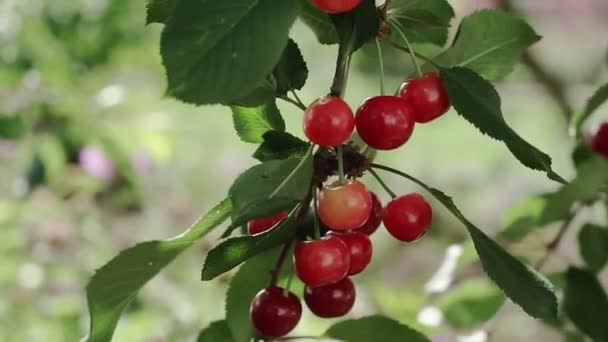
(385, 122)
(329, 121)
(408, 217)
(336, 6)
(375, 217)
(344, 207)
(263, 224)
(321, 262)
(331, 301)
(427, 96)
(275, 313)
(599, 141)
(360, 247)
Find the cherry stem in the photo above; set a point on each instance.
(405, 49)
(342, 67)
(409, 47)
(293, 172)
(398, 173)
(381, 61)
(317, 227)
(341, 164)
(276, 271)
(381, 181)
(288, 285)
(293, 102)
(298, 100)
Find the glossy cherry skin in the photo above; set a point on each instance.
(334, 300)
(375, 217)
(335, 6)
(344, 207)
(599, 141)
(263, 224)
(329, 121)
(385, 122)
(360, 247)
(407, 218)
(427, 96)
(273, 313)
(321, 262)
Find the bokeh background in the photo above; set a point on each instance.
(107, 160)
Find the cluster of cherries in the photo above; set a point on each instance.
(348, 209)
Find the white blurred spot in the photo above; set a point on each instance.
(476, 336)
(442, 279)
(111, 95)
(430, 316)
(30, 276)
(31, 80)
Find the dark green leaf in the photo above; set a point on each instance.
(291, 72)
(114, 285)
(252, 122)
(157, 11)
(593, 245)
(232, 252)
(218, 51)
(374, 328)
(268, 188)
(217, 331)
(319, 22)
(11, 127)
(357, 27)
(280, 145)
(424, 21)
(586, 304)
(261, 95)
(471, 303)
(524, 217)
(490, 42)
(477, 101)
(593, 104)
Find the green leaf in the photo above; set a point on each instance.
(252, 122)
(319, 22)
(11, 127)
(357, 27)
(157, 11)
(523, 285)
(234, 251)
(114, 285)
(473, 302)
(268, 188)
(280, 145)
(593, 245)
(490, 42)
(291, 72)
(252, 277)
(217, 331)
(374, 328)
(218, 51)
(477, 101)
(425, 21)
(586, 304)
(593, 104)
(524, 217)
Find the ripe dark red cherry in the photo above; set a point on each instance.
(385, 122)
(407, 218)
(335, 6)
(599, 141)
(344, 207)
(321, 262)
(375, 217)
(263, 224)
(329, 121)
(427, 96)
(360, 247)
(274, 313)
(331, 301)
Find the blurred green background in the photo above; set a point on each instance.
(108, 161)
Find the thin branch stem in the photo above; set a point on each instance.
(316, 217)
(276, 271)
(341, 164)
(381, 62)
(293, 102)
(405, 49)
(295, 95)
(409, 47)
(381, 181)
(293, 172)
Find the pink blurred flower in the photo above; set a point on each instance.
(96, 163)
(142, 161)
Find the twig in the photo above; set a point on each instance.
(276, 271)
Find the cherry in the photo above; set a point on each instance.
(332, 300)
(385, 122)
(263, 224)
(408, 217)
(336, 6)
(329, 121)
(375, 217)
(360, 247)
(321, 262)
(275, 313)
(427, 96)
(344, 207)
(599, 141)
